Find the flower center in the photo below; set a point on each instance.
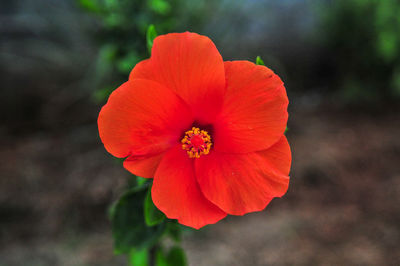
(196, 142)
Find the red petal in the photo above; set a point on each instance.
(142, 117)
(176, 193)
(254, 113)
(144, 167)
(191, 65)
(242, 183)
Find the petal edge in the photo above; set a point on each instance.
(176, 193)
(254, 113)
(243, 183)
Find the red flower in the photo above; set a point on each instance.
(210, 132)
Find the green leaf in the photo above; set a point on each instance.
(152, 215)
(160, 6)
(259, 61)
(138, 257)
(286, 130)
(387, 45)
(150, 36)
(128, 224)
(141, 180)
(176, 257)
(90, 5)
(161, 259)
(174, 231)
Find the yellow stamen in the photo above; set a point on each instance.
(196, 142)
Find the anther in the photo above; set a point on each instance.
(196, 142)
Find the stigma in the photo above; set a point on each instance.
(196, 142)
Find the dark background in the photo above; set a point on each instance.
(340, 61)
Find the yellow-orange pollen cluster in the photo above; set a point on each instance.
(196, 142)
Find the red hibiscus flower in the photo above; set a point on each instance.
(210, 132)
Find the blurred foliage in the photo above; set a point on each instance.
(128, 224)
(122, 34)
(363, 37)
(138, 257)
(139, 228)
(174, 257)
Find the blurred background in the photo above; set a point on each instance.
(340, 61)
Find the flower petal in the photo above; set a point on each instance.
(142, 117)
(254, 113)
(242, 183)
(143, 166)
(190, 65)
(176, 193)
